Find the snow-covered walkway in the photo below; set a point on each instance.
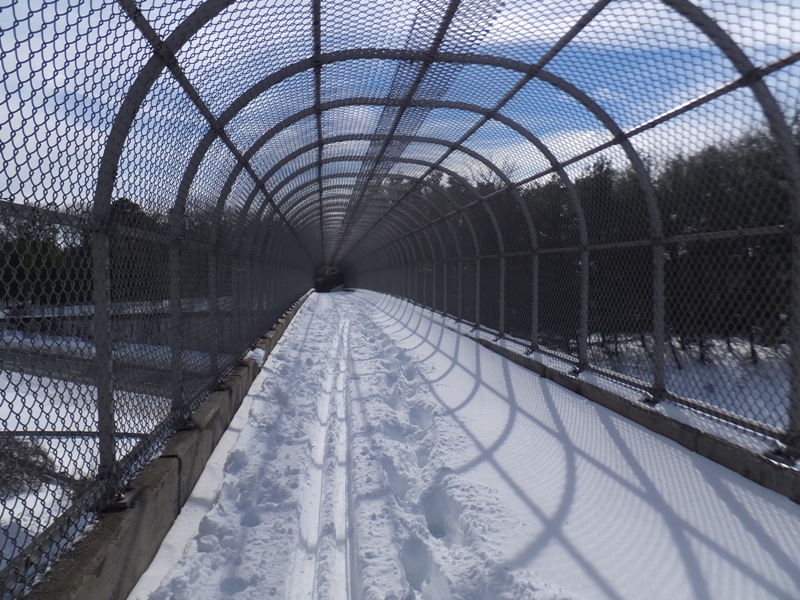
(381, 455)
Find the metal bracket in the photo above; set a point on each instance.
(123, 500)
(785, 455)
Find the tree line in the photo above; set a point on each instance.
(737, 286)
(734, 287)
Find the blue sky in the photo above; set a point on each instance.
(637, 60)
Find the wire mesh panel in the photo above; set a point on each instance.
(615, 184)
(559, 302)
(489, 286)
(518, 296)
(621, 311)
(470, 272)
(117, 295)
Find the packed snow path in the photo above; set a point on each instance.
(382, 455)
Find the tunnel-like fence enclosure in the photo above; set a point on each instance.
(613, 186)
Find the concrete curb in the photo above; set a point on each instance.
(770, 474)
(108, 561)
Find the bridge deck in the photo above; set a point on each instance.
(381, 454)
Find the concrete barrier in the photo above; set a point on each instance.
(108, 561)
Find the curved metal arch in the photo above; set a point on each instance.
(444, 170)
(597, 111)
(382, 54)
(443, 193)
(298, 206)
(434, 104)
(525, 133)
(423, 198)
(457, 211)
(400, 232)
(467, 151)
(369, 101)
(330, 58)
(291, 70)
(783, 134)
(450, 173)
(306, 210)
(792, 163)
(443, 220)
(161, 59)
(344, 186)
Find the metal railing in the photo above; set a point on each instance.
(614, 185)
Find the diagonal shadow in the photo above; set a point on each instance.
(403, 324)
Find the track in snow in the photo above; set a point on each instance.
(321, 572)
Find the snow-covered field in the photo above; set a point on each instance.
(43, 404)
(382, 455)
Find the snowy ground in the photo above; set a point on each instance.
(382, 455)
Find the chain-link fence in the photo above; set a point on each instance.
(614, 184)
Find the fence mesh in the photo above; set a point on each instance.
(613, 185)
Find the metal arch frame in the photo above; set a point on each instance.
(619, 136)
(413, 251)
(300, 200)
(774, 118)
(498, 232)
(478, 157)
(433, 258)
(432, 55)
(331, 58)
(457, 209)
(603, 118)
(260, 87)
(316, 19)
(444, 170)
(365, 101)
(583, 99)
(783, 135)
(163, 57)
(586, 101)
(288, 198)
(302, 210)
(343, 186)
(426, 63)
(448, 172)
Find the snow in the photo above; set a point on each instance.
(381, 454)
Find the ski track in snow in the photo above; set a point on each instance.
(365, 471)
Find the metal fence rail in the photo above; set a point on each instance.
(614, 184)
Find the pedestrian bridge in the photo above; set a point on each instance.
(607, 190)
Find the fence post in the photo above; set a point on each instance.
(175, 319)
(501, 318)
(460, 284)
(477, 291)
(444, 286)
(659, 323)
(417, 272)
(793, 429)
(103, 358)
(236, 300)
(534, 301)
(213, 315)
(583, 320)
(425, 284)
